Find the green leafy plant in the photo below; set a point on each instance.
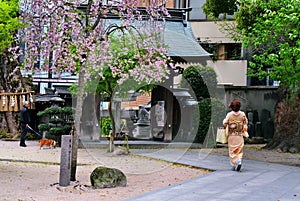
(270, 32)
(44, 127)
(213, 8)
(58, 122)
(202, 80)
(106, 126)
(5, 134)
(67, 110)
(9, 22)
(56, 131)
(50, 111)
(211, 110)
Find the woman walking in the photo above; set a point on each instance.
(236, 127)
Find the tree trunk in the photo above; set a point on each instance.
(113, 129)
(11, 80)
(12, 124)
(9, 124)
(97, 106)
(78, 113)
(287, 126)
(3, 121)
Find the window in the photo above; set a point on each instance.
(180, 4)
(233, 51)
(223, 51)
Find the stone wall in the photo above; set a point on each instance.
(259, 100)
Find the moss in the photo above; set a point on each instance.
(103, 177)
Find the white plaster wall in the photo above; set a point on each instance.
(230, 72)
(211, 32)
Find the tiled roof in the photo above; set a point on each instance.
(179, 39)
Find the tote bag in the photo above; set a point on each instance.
(221, 135)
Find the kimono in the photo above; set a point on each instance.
(236, 130)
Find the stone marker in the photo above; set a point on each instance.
(65, 160)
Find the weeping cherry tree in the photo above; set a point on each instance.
(68, 36)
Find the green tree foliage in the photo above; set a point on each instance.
(106, 126)
(271, 30)
(9, 22)
(211, 110)
(203, 81)
(58, 121)
(213, 8)
(11, 79)
(109, 82)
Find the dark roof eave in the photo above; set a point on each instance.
(176, 14)
(178, 36)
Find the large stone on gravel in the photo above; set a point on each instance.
(104, 177)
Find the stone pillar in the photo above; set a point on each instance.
(89, 126)
(116, 108)
(65, 160)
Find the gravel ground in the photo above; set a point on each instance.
(29, 174)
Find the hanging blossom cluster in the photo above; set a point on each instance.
(70, 36)
(57, 35)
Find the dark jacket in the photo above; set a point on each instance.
(24, 116)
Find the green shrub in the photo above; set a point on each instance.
(42, 114)
(202, 80)
(44, 127)
(106, 126)
(5, 134)
(67, 110)
(58, 122)
(56, 131)
(211, 110)
(50, 111)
